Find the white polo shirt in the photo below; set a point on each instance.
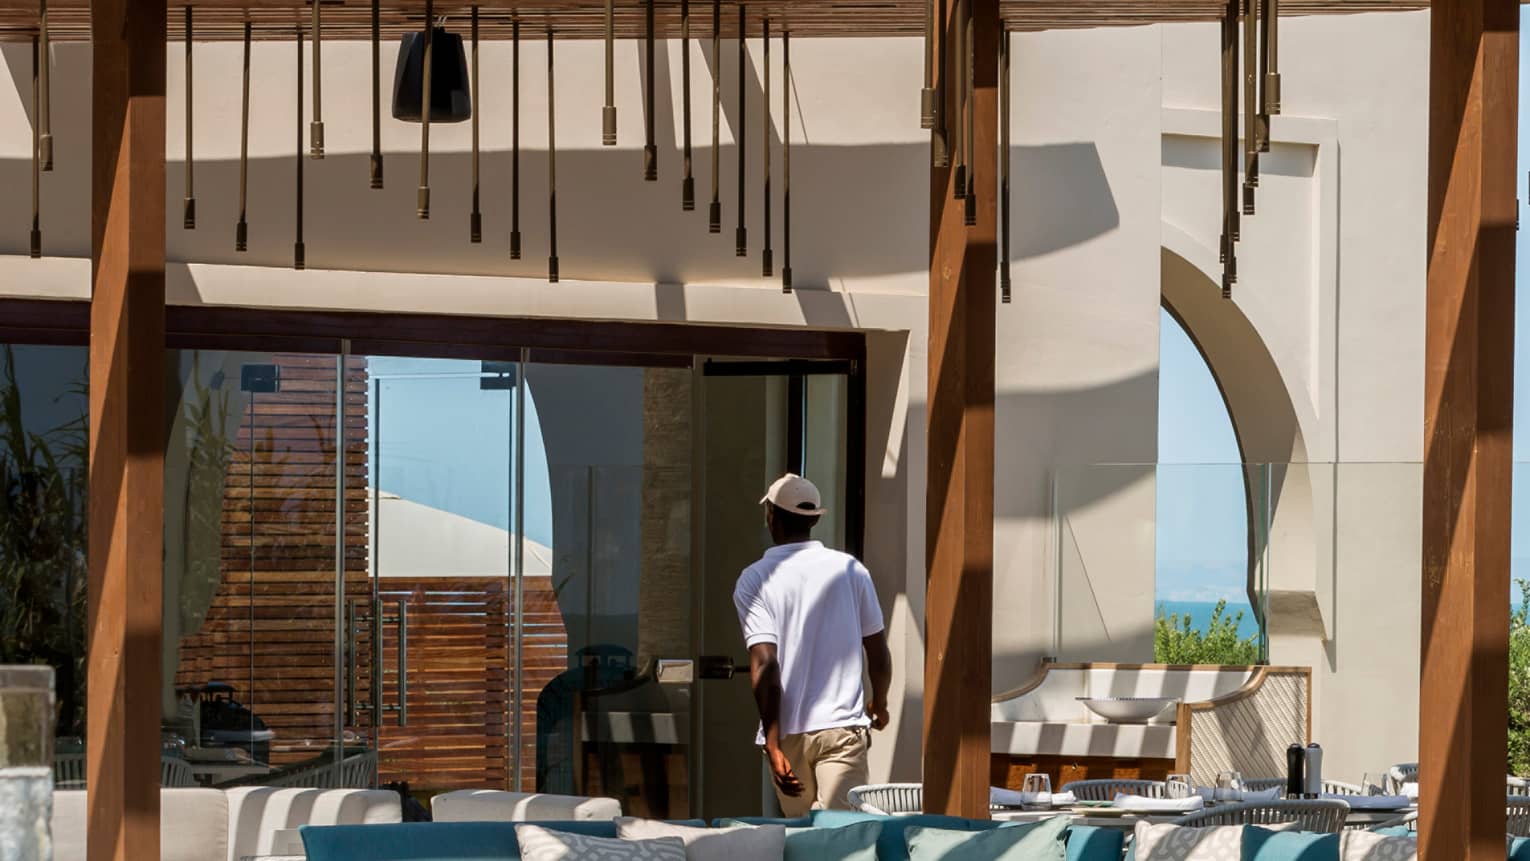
(815, 605)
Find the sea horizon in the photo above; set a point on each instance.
(1200, 614)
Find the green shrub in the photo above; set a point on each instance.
(1519, 684)
(1176, 642)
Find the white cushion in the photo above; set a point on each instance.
(1182, 843)
(256, 813)
(540, 844)
(764, 843)
(193, 825)
(1369, 846)
(490, 805)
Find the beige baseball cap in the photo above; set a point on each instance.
(796, 494)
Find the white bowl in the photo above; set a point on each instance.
(1127, 709)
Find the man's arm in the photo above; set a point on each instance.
(879, 667)
(765, 679)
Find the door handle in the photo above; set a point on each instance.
(403, 663)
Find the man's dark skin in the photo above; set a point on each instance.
(765, 671)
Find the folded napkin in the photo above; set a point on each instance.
(1010, 798)
(1373, 802)
(1160, 805)
(1209, 795)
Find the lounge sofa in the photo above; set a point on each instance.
(490, 805)
(227, 825)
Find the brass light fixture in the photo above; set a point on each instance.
(475, 218)
(1230, 212)
(377, 158)
(650, 149)
(969, 137)
(714, 215)
(316, 128)
(36, 237)
(45, 108)
(515, 137)
(189, 203)
(940, 155)
(1272, 59)
(741, 235)
(688, 183)
(608, 113)
(422, 208)
(765, 256)
(552, 171)
(242, 229)
(956, 63)
(1250, 104)
(299, 253)
(786, 161)
(927, 93)
(1005, 46)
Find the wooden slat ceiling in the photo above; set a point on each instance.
(585, 19)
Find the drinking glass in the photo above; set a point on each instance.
(1178, 786)
(26, 762)
(1037, 789)
(1375, 783)
(1229, 787)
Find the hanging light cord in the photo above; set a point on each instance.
(766, 267)
(552, 170)
(687, 184)
(377, 158)
(1250, 104)
(36, 237)
(45, 107)
(608, 113)
(316, 142)
(1230, 212)
(515, 137)
(650, 149)
(427, 60)
(940, 154)
(189, 204)
(786, 161)
(927, 93)
(1004, 191)
(969, 137)
(299, 254)
(714, 215)
(242, 229)
(1272, 64)
(741, 235)
(475, 220)
(958, 65)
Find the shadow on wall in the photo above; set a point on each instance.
(857, 210)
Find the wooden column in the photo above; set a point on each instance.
(127, 355)
(959, 512)
(1468, 423)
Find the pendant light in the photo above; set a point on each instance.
(786, 161)
(377, 158)
(36, 236)
(242, 229)
(650, 149)
(608, 113)
(969, 135)
(515, 136)
(552, 170)
(189, 203)
(927, 93)
(1270, 92)
(316, 128)
(45, 108)
(1230, 212)
(1005, 47)
(940, 155)
(688, 183)
(957, 63)
(741, 235)
(1250, 104)
(475, 219)
(299, 254)
(765, 256)
(714, 214)
(422, 203)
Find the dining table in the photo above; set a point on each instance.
(1106, 817)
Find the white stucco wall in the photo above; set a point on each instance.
(1112, 165)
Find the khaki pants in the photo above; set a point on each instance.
(829, 763)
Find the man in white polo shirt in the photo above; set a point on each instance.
(809, 616)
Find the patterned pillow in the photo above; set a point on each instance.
(760, 843)
(1181, 843)
(1369, 846)
(540, 844)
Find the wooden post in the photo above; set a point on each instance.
(959, 513)
(1468, 424)
(127, 360)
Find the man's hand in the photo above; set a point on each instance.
(878, 714)
(781, 771)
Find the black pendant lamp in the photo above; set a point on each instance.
(765, 255)
(714, 213)
(475, 218)
(688, 182)
(316, 128)
(1230, 211)
(1004, 98)
(741, 235)
(786, 161)
(552, 170)
(940, 155)
(299, 254)
(515, 137)
(35, 248)
(1250, 104)
(376, 177)
(242, 229)
(450, 101)
(650, 147)
(45, 108)
(956, 62)
(969, 135)
(927, 93)
(189, 203)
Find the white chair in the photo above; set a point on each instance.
(69, 771)
(193, 825)
(492, 805)
(1107, 790)
(257, 813)
(1330, 787)
(1518, 816)
(356, 772)
(174, 771)
(1397, 775)
(1318, 816)
(888, 799)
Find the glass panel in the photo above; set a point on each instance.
(824, 447)
(430, 637)
(251, 493)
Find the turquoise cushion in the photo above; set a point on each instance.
(1262, 844)
(432, 841)
(1095, 844)
(1035, 841)
(1520, 849)
(892, 846)
(1400, 831)
(856, 842)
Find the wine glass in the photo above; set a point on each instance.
(1037, 790)
(1229, 787)
(1178, 786)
